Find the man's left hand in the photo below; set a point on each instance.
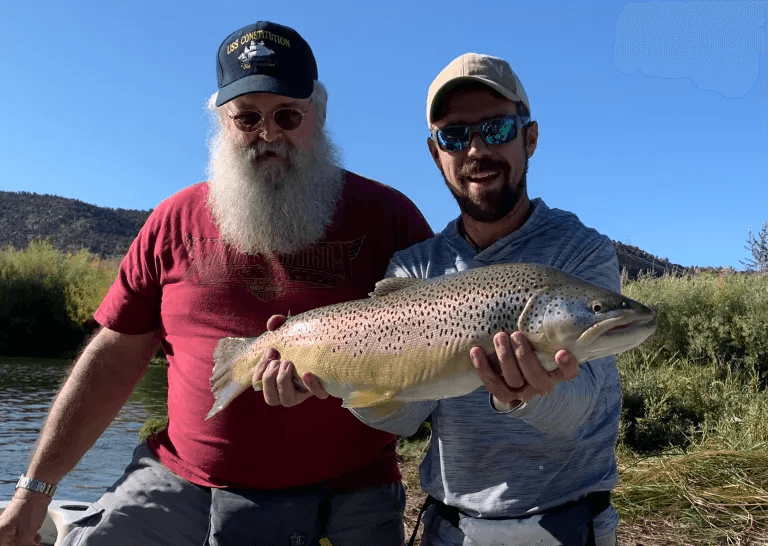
(514, 375)
(280, 382)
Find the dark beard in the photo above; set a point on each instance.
(501, 204)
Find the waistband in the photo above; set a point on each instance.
(596, 503)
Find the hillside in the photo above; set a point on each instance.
(70, 225)
(635, 261)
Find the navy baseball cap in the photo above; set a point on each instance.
(265, 58)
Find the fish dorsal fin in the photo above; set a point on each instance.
(393, 284)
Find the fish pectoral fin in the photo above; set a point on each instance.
(393, 284)
(365, 399)
(547, 360)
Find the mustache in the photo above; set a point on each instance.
(476, 166)
(260, 150)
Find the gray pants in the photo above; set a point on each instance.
(474, 532)
(151, 506)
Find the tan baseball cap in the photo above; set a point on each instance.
(492, 71)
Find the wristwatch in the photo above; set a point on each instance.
(35, 485)
(500, 407)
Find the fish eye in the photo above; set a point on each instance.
(597, 306)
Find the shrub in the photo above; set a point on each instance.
(758, 247)
(699, 383)
(710, 317)
(47, 299)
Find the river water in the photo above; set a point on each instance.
(27, 389)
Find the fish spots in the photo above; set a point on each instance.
(444, 312)
(424, 330)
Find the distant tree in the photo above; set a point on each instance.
(758, 246)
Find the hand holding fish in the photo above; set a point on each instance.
(279, 379)
(514, 374)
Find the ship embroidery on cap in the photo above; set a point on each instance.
(253, 53)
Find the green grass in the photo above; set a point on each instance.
(687, 404)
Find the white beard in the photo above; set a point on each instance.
(271, 206)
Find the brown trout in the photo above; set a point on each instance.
(411, 339)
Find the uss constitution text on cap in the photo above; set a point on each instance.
(265, 58)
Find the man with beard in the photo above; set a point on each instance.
(280, 227)
(530, 459)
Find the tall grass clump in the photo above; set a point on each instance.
(710, 498)
(693, 449)
(683, 404)
(47, 298)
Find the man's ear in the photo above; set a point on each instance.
(531, 138)
(434, 152)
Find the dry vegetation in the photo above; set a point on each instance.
(711, 498)
(707, 498)
(410, 454)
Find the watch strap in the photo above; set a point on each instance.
(35, 485)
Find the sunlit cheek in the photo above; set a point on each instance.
(303, 137)
(449, 168)
(233, 135)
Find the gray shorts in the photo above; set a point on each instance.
(151, 506)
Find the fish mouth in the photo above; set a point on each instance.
(616, 326)
(637, 323)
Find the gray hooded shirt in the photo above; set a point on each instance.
(555, 448)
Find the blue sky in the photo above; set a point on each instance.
(652, 116)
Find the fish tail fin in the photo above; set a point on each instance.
(224, 385)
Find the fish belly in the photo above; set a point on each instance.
(414, 375)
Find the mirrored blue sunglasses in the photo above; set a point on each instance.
(493, 131)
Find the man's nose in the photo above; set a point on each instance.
(269, 131)
(477, 146)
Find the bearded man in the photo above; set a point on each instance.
(279, 227)
(529, 459)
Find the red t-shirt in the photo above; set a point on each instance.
(180, 279)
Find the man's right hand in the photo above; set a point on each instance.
(279, 380)
(519, 375)
(22, 518)
(104, 376)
